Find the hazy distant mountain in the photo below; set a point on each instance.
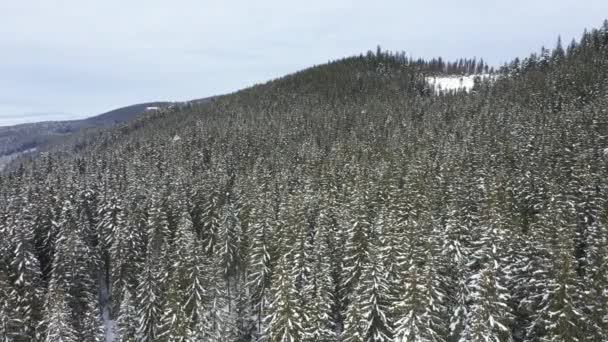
(23, 137)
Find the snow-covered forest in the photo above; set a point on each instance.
(347, 202)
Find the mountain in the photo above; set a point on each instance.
(351, 201)
(19, 138)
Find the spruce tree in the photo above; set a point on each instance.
(284, 319)
(126, 321)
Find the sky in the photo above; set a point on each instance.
(69, 59)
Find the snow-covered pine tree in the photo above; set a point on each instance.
(211, 221)
(152, 280)
(355, 324)
(420, 311)
(331, 218)
(228, 248)
(199, 292)
(111, 229)
(260, 267)
(73, 271)
(26, 292)
(219, 318)
(376, 300)
(284, 318)
(597, 280)
(320, 325)
(92, 328)
(560, 315)
(392, 222)
(489, 316)
(357, 247)
(489, 310)
(335, 221)
(57, 319)
(296, 243)
(149, 305)
(229, 242)
(9, 325)
(126, 323)
(124, 255)
(157, 230)
(528, 260)
(46, 213)
(175, 322)
(455, 252)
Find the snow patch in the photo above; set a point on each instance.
(104, 298)
(108, 325)
(455, 82)
(152, 108)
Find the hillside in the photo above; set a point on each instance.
(19, 138)
(350, 201)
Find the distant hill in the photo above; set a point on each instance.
(19, 138)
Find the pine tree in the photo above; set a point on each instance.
(230, 261)
(489, 316)
(158, 231)
(489, 311)
(199, 292)
(375, 307)
(456, 253)
(597, 280)
(219, 319)
(91, 328)
(9, 325)
(26, 291)
(126, 322)
(114, 240)
(355, 324)
(260, 269)
(284, 319)
(149, 305)
(73, 269)
(560, 316)
(211, 222)
(175, 324)
(125, 261)
(57, 319)
(320, 326)
(357, 247)
(420, 308)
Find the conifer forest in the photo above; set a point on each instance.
(352, 201)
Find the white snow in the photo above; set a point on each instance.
(108, 325)
(104, 296)
(455, 82)
(152, 108)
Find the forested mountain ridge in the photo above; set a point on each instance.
(19, 138)
(346, 202)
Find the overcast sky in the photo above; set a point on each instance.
(77, 58)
